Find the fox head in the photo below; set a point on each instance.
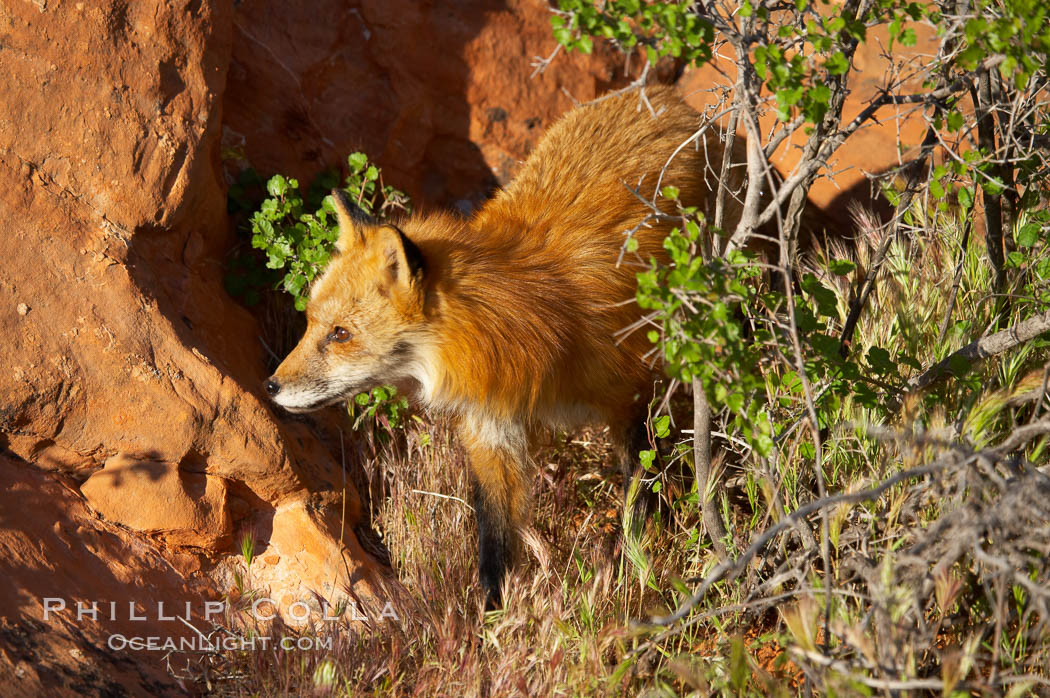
(363, 316)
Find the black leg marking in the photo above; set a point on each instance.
(494, 546)
(636, 439)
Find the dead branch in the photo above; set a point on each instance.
(730, 568)
(991, 345)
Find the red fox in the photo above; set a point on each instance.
(510, 321)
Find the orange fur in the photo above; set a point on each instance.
(510, 322)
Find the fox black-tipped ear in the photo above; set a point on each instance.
(407, 265)
(352, 220)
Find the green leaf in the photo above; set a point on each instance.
(820, 94)
(993, 186)
(763, 444)
(841, 267)
(357, 162)
(662, 426)
(836, 64)
(1028, 235)
(827, 303)
(739, 667)
(879, 359)
(761, 69)
(265, 227)
(277, 185)
(789, 96)
(693, 230)
(735, 402)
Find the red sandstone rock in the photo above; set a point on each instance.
(55, 548)
(438, 94)
(122, 349)
(182, 508)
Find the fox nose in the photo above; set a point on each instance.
(272, 386)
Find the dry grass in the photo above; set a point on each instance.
(565, 626)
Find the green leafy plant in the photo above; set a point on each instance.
(382, 404)
(297, 236)
(660, 28)
(294, 233)
(797, 359)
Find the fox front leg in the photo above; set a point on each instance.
(498, 464)
(496, 542)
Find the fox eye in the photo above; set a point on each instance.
(339, 334)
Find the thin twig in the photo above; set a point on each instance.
(967, 226)
(444, 496)
(541, 64)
